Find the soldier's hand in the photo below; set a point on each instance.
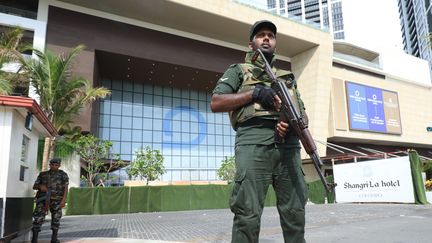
(277, 103)
(62, 204)
(43, 188)
(282, 128)
(266, 96)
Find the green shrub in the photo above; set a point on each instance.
(227, 170)
(147, 164)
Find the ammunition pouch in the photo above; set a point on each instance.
(252, 76)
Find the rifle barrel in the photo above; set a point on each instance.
(296, 121)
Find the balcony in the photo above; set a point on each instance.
(356, 60)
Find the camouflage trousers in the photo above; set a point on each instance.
(39, 214)
(258, 167)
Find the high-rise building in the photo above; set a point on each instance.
(341, 18)
(311, 12)
(416, 22)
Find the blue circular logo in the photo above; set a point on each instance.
(176, 141)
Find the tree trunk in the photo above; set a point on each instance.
(46, 154)
(90, 180)
(51, 148)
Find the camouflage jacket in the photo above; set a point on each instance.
(56, 181)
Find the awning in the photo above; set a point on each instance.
(338, 152)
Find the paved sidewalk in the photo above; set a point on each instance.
(108, 240)
(339, 223)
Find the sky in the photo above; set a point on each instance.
(373, 24)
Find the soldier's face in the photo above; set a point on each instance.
(265, 40)
(54, 166)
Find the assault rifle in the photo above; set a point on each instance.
(290, 114)
(46, 199)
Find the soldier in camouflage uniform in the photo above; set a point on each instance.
(52, 185)
(244, 91)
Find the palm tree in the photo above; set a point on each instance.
(5, 86)
(61, 95)
(9, 50)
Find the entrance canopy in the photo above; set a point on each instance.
(338, 152)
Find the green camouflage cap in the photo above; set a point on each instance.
(55, 161)
(259, 25)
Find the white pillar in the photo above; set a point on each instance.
(303, 12)
(38, 27)
(278, 7)
(321, 14)
(5, 134)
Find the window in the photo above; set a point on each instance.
(178, 122)
(24, 148)
(271, 4)
(23, 176)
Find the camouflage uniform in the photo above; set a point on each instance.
(56, 181)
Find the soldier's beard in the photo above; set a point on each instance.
(268, 54)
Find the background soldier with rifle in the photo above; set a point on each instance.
(244, 91)
(52, 186)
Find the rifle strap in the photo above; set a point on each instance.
(48, 195)
(49, 181)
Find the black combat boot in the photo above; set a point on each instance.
(54, 236)
(34, 236)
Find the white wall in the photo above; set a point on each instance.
(15, 187)
(398, 64)
(11, 131)
(72, 167)
(5, 134)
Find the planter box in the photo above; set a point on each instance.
(135, 183)
(429, 196)
(135, 197)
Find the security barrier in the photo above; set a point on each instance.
(112, 200)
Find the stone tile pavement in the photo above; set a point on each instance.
(340, 223)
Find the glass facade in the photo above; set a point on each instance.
(338, 23)
(416, 26)
(178, 122)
